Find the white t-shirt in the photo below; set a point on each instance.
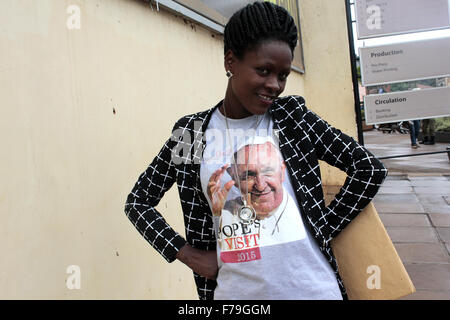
(274, 256)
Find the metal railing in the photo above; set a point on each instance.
(417, 154)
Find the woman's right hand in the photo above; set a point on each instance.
(201, 262)
(216, 194)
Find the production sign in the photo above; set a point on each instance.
(377, 18)
(407, 105)
(405, 61)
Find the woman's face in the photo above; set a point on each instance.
(258, 78)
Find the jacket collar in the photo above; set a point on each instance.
(198, 145)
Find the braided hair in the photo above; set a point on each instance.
(258, 22)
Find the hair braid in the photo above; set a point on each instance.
(253, 22)
(274, 15)
(263, 19)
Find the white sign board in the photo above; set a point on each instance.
(375, 18)
(407, 105)
(405, 61)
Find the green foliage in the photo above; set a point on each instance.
(401, 86)
(405, 86)
(443, 124)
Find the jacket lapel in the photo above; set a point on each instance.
(198, 146)
(289, 148)
(295, 149)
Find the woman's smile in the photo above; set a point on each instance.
(266, 99)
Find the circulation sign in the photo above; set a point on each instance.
(377, 18)
(407, 105)
(407, 61)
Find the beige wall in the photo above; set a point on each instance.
(68, 162)
(328, 78)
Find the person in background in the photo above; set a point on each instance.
(428, 131)
(414, 133)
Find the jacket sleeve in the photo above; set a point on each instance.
(145, 196)
(365, 173)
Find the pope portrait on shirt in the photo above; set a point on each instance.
(257, 171)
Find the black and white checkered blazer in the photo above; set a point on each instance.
(304, 138)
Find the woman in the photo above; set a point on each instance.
(255, 218)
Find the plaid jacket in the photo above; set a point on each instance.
(304, 138)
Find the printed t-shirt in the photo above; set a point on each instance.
(273, 256)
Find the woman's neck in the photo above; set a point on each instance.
(232, 107)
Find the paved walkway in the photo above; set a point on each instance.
(414, 205)
(389, 144)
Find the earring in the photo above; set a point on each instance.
(229, 74)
